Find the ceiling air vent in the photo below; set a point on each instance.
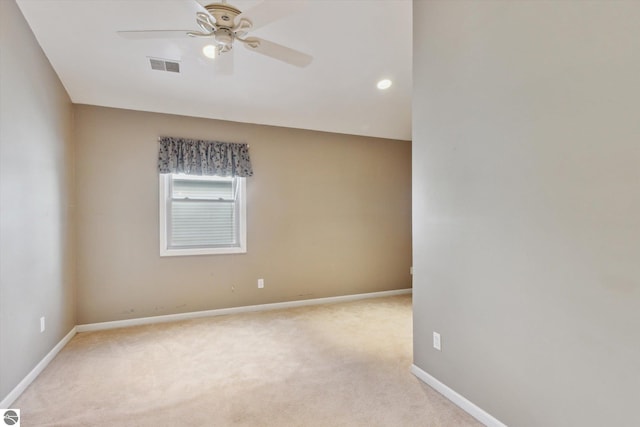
(164, 65)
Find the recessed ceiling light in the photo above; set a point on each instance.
(384, 84)
(210, 51)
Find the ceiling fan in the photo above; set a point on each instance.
(225, 25)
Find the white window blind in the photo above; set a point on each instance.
(203, 215)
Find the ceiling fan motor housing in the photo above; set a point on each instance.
(224, 36)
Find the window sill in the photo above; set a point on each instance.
(202, 251)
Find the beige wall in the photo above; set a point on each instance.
(526, 200)
(327, 215)
(36, 251)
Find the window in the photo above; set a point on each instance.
(202, 215)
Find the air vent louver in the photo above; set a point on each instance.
(172, 66)
(164, 65)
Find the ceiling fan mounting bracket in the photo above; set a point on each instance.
(224, 14)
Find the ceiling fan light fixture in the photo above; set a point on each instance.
(384, 84)
(210, 51)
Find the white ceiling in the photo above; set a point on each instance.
(354, 44)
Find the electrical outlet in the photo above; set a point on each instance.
(260, 283)
(436, 341)
(42, 324)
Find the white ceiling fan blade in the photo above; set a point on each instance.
(198, 7)
(153, 34)
(268, 11)
(223, 64)
(277, 51)
(195, 8)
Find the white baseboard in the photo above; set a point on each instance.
(26, 381)
(234, 310)
(468, 406)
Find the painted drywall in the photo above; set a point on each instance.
(327, 215)
(36, 198)
(526, 192)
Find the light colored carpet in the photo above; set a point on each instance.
(331, 365)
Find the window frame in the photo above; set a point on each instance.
(165, 181)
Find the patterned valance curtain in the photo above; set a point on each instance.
(198, 157)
